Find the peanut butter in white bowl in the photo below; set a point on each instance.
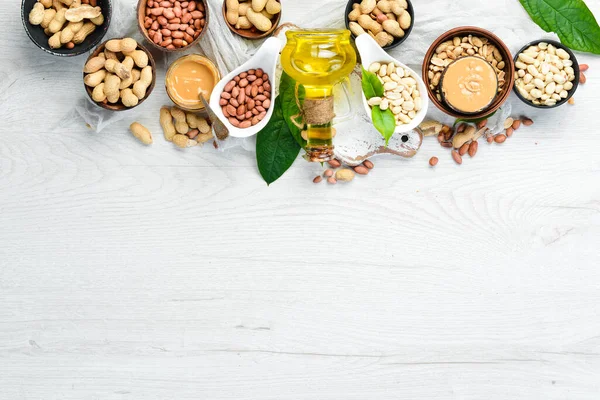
(469, 85)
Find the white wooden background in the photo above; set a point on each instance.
(132, 272)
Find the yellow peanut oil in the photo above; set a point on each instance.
(318, 60)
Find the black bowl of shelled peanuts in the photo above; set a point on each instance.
(66, 27)
(390, 22)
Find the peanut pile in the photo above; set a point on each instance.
(336, 173)
(459, 47)
(255, 15)
(66, 22)
(184, 129)
(465, 139)
(174, 24)
(246, 99)
(401, 94)
(545, 74)
(384, 20)
(113, 74)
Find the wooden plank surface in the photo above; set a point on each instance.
(129, 272)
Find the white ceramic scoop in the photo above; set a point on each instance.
(371, 52)
(266, 58)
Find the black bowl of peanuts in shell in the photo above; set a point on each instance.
(66, 27)
(390, 22)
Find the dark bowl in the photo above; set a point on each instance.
(509, 70)
(141, 15)
(397, 41)
(252, 34)
(37, 35)
(558, 45)
(119, 106)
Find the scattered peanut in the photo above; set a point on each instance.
(500, 138)
(369, 164)
(344, 175)
(141, 133)
(361, 170)
(473, 149)
(433, 161)
(166, 122)
(456, 157)
(193, 128)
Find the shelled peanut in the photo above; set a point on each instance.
(384, 20)
(120, 73)
(256, 15)
(458, 47)
(174, 24)
(545, 74)
(401, 94)
(66, 22)
(337, 172)
(246, 99)
(184, 129)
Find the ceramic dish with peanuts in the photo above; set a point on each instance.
(252, 19)
(242, 99)
(389, 22)
(66, 27)
(463, 42)
(172, 25)
(404, 93)
(547, 74)
(119, 75)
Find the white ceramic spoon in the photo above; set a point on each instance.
(266, 58)
(371, 52)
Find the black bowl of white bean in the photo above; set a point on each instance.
(546, 74)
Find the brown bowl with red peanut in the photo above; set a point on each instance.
(172, 25)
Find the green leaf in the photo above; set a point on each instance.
(371, 85)
(571, 20)
(384, 122)
(276, 147)
(473, 121)
(287, 92)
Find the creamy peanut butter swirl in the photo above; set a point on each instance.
(469, 84)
